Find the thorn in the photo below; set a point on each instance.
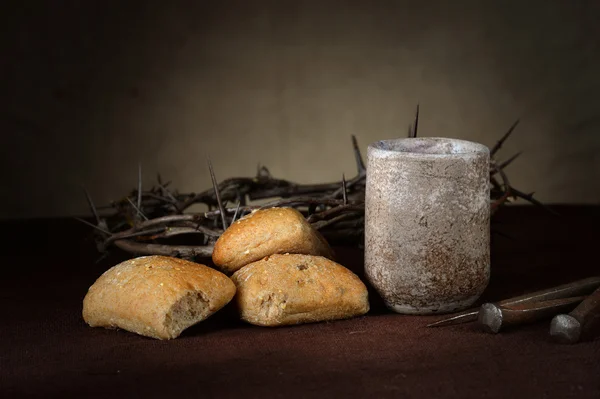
(91, 204)
(101, 257)
(503, 235)
(505, 194)
(416, 124)
(498, 145)
(168, 193)
(509, 160)
(93, 225)
(495, 182)
(237, 208)
(529, 197)
(360, 165)
(344, 193)
(159, 179)
(139, 196)
(216, 188)
(139, 211)
(263, 172)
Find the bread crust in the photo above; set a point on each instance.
(293, 289)
(156, 296)
(266, 232)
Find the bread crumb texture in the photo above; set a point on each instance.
(265, 232)
(295, 288)
(156, 296)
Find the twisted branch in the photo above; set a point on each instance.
(147, 222)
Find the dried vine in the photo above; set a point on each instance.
(154, 221)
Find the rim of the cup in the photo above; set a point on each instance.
(459, 147)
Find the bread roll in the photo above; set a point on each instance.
(266, 232)
(293, 289)
(156, 296)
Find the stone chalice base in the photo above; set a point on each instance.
(427, 223)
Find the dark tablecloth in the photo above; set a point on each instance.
(47, 350)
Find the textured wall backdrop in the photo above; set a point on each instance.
(91, 88)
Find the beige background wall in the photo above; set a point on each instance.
(91, 88)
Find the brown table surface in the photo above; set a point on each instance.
(46, 350)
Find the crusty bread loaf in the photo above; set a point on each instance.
(292, 289)
(266, 232)
(156, 296)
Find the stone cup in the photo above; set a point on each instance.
(427, 223)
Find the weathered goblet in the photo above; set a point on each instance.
(427, 223)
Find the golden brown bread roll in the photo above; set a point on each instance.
(156, 296)
(266, 232)
(293, 289)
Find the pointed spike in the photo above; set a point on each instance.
(509, 160)
(503, 235)
(344, 192)
(498, 145)
(159, 179)
(102, 257)
(360, 165)
(217, 194)
(495, 182)
(139, 193)
(93, 225)
(139, 211)
(168, 193)
(91, 204)
(416, 124)
(237, 208)
(440, 323)
(264, 173)
(529, 197)
(465, 316)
